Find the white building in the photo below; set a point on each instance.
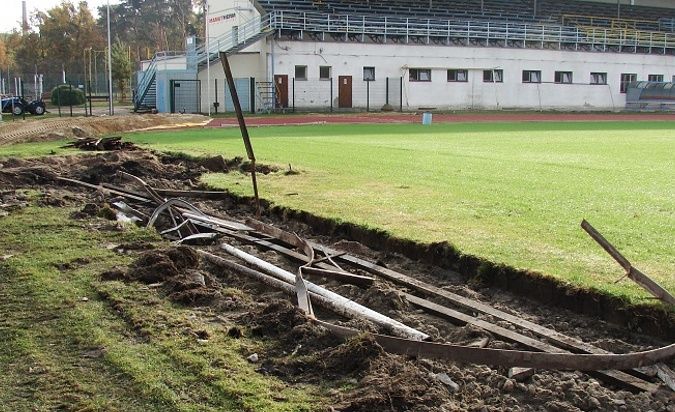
(448, 54)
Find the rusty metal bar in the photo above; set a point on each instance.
(632, 272)
(358, 280)
(503, 357)
(242, 126)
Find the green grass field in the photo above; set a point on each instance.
(513, 193)
(124, 347)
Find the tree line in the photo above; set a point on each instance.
(69, 37)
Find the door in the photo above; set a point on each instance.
(345, 92)
(185, 96)
(281, 90)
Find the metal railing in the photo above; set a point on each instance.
(407, 28)
(149, 73)
(237, 37)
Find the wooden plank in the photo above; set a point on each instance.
(358, 280)
(464, 319)
(104, 189)
(196, 194)
(631, 271)
(616, 377)
(666, 375)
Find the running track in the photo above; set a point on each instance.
(312, 118)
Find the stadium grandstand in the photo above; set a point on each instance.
(411, 55)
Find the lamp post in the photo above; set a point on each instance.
(110, 80)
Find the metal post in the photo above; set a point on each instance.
(387, 98)
(401, 94)
(58, 96)
(215, 106)
(242, 126)
(110, 85)
(251, 93)
(331, 94)
(618, 9)
(70, 87)
(91, 110)
(294, 95)
(85, 99)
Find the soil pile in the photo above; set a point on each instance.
(178, 270)
(59, 128)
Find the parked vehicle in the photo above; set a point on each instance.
(17, 106)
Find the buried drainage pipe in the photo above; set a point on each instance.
(346, 306)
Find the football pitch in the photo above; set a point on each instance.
(513, 193)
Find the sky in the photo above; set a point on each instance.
(10, 18)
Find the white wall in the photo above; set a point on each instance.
(242, 65)
(394, 61)
(223, 15)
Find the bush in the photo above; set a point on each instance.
(63, 95)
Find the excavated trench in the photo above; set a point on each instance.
(365, 377)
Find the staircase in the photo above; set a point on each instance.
(265, 93)
(145, 96)
(148, 100)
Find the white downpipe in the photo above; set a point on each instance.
(349, 306)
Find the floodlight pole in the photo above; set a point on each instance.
(110, 80)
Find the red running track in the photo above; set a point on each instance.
(312, 118)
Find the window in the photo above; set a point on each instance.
(458, 75)
(655, 78)
(324, 72)
(563, 77)
(368, 74)
(531, 76)
(625, 79)
(493, 76)
(420, 75)
(673, 78)
(598, 78)
(300, 72)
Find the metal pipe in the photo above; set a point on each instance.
(348, 307)
(110, 85)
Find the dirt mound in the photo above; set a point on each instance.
(277, 318)
(59, 128)
(26, 176)
(392, 383)
(177, 269)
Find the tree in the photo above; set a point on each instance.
(148, 26)
(4, 56)
(121, 67)
(65, 31)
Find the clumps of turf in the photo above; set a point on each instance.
(177, 269)
(303, 351)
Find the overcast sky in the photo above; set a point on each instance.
(10, 17)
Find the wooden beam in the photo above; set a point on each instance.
(633, 273)
(346, 277)
(616, 377)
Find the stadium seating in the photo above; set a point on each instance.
(549, 11)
